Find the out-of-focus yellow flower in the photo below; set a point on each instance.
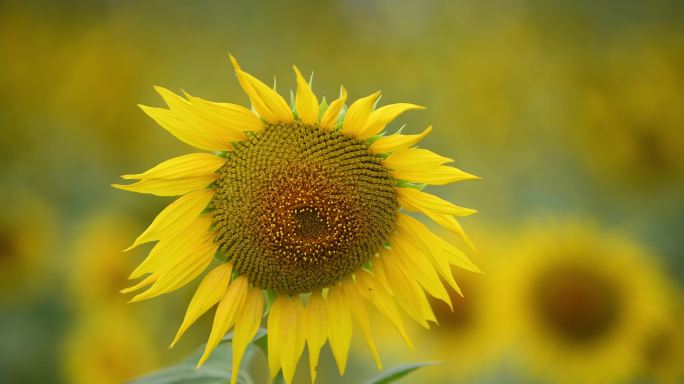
(106, 347)
(27, 226)
(663, 347)
(300, 202)
(578, 302)
(631, 127)
(100, 268)
(467, 338)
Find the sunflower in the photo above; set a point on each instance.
(468, 338)
(579, 302)
(662, 351)
(301, 206)
(27, 226)
(106, 346)
(103, 234)
(635, 107)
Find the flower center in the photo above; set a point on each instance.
(298, 208)
(308, 222)
(577, 304)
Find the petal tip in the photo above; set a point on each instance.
(234, 62)
(297, 72)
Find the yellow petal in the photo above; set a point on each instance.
(246, 326)
(329, 119)
(436, 244)
(435, 176)
(357, 115)
(267, 102)
(380, 275)
(408, 293)
(168, 187)
(273, 330)
(414, 159)
(383, 302)
(285, 335)
(316, 322)
(416, 263)
(142, 284)
(225, 315)
(194, 263)
(176, 217)
(378, 119)
(188, 134)
(198, 121)
(339, 326)
(171, 251)
(414, 200)
(358, 308)
(306, 101)
(186, 166)
(411, 228)
(397, 142)
(209, 292)
(230, 115)
(450, 223)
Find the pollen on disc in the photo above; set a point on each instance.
(299, 208)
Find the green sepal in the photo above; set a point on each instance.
(322, 108)
(368, 266)
(409, 184)
(270, 299)
(293, 104)
(340, 118)
(221, 256)
(223, 154)
(208, 209)
(374, 139)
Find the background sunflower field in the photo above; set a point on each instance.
(571, 111)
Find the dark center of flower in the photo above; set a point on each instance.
(464, 315)
(308, 222)
(299, 208)
(577, 304)
(8, 245)
(660, 349)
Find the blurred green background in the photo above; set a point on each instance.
(569, 110)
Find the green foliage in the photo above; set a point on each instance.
(395, 373)
(216, 370)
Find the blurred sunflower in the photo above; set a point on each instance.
(633, 104)
(662, 351)
(468, 337)
(27, 226)
(299, 202)
(107, 346)
(98, 263)
(579, 302)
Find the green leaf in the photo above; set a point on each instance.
(395, 373)
(216, 370)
